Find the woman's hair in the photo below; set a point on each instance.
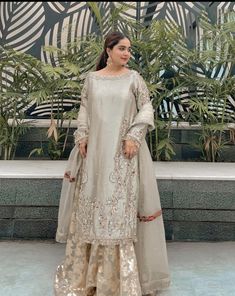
(110, 41)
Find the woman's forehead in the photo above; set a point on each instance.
(125, 42)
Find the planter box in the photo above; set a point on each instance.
(183, 137)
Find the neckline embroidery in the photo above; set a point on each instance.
(98, 76)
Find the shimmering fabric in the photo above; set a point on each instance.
(98, 215)
(95, 269)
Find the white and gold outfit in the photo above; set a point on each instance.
(106, 198)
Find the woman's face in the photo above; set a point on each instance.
(120, 53)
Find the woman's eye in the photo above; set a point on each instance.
(122, 49)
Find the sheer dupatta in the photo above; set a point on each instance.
(67, 194)
(150, 246)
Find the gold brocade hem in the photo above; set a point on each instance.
(62, 238)
(109, 242)
(96, 270)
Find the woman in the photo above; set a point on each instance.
(110, 213)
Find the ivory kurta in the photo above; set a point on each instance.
(107, 195)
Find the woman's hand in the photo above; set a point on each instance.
(82, 146)
(130, 148)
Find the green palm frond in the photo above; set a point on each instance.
(95, 9)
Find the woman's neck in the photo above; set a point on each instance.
(114, 68)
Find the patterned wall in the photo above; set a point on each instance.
(28, 26)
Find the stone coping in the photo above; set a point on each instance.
(173, 170)
(195, 170)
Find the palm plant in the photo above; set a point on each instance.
(156, 58)
(18, 73)
(210, 73)
(58, 83)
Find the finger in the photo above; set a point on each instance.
(130, 152)
(127, 154)
(132, 155)
(82, 151)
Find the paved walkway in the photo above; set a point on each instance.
(197, 269)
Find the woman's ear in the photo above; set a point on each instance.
(108, 51)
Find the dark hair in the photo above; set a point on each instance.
(110, 41)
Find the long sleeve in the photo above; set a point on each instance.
(144, 119)
(81, 133)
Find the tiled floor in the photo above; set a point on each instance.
(202, 269)
(197, 269)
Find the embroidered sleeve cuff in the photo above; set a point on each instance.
(80, 135)
(137, 133)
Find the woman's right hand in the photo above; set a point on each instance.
(130, 148)
(83, 148)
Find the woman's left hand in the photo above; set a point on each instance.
(130, 148)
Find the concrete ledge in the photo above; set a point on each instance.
(194, 170)
(32, 169)
(54, 169)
